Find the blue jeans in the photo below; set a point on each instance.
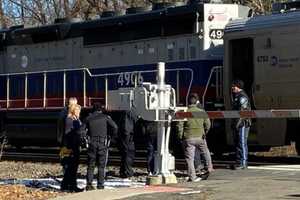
(241, 145)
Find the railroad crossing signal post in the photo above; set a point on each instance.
(164, 162)
(152, 102)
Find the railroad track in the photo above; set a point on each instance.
(113, 160)
(140, 161)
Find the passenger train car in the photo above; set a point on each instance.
(262, 51)
(42, 66)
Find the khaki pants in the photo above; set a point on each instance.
(190, 145)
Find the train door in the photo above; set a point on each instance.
(264, 132)
(241, 60)
(238, 64)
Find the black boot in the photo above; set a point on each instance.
(89, 187)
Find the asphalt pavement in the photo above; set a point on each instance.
(255, 183)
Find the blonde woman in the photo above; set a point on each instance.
(72, 142)
(62, 120)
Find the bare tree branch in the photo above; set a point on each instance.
(2, 16)
(35, 14)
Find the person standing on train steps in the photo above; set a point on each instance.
(100, 129)
(192, 132)
(241, 126)
(71, 151)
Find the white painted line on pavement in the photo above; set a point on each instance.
(191, 192)
(277, 167)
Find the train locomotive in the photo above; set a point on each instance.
(41, 67)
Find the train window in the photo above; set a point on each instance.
(192, 52)
(181, 53)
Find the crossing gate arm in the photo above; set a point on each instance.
(239, 114)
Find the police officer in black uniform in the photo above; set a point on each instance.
(127, 123)
(100, 128)
(241, 126)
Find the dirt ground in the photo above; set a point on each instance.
(21, 170)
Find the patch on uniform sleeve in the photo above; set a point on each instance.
(243, 100)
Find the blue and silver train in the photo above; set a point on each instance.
(40, 67)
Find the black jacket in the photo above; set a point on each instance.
(127, 122)
(71, 137)
(241, 102)
(61, 123)
(100, 125)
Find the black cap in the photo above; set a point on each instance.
(97, 106)
(238, 83)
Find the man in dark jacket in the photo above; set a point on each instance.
(240, 101)
(100, 129)
(126, 142)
